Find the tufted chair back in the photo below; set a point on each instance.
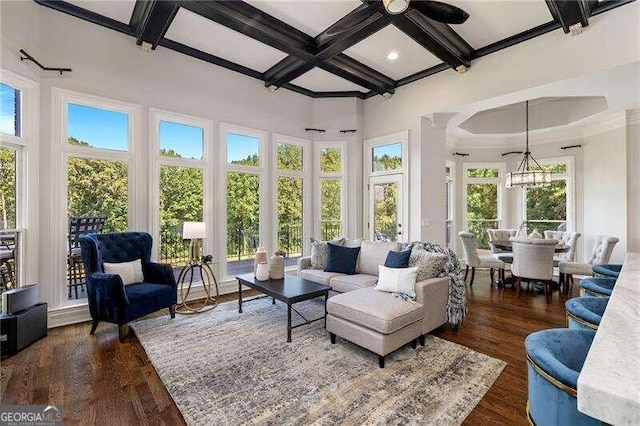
(533, 258)
(602, 250)
(114, 248)
(565, 238)
(500, 235)
(470, 248)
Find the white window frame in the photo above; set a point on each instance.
(569, 178)
(205, 164)
(262, 171)
(451, 180)
(369, 145)
(466, 180)
(305, 175)
(27, 173)
(60, 157)
(320, 176)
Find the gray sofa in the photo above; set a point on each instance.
(372, 319)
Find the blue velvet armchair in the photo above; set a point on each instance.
(109, 299)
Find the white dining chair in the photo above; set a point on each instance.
(569, 239)
(474, 261)
(533, 261)
(600, 255)
(501, 235)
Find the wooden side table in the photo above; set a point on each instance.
(208, 277)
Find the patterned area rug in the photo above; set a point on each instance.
(222, 367)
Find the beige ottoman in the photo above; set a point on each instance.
(374, 320)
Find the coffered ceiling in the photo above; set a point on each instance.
(344, 48)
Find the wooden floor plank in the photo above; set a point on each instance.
(98, 380)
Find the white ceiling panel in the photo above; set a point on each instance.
(373, 52)
(320, 80)
(309, 16)
(492, 20)
(202, 34)
(120, 10)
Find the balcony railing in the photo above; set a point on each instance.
(174, 249)
(544, 225)
(330, 229)
(9, 241)
(290, 241)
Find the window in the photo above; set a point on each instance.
(10, 112)
(97, 148)
(244, 189)
(330, 190)
(450, 201)
(387, 157)
(548, 208)
(18, 179)
(291, 193)
(181, 168)
(483, 195)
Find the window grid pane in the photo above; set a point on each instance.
(547, 206)
(10, 118)
(290, 214)
(97, 128)
(181, 199)
(482, 210)
(243, 218)
(290, 157)
(180, 140)
(8, 188)
(243, 150)
(387, 157)
(330, 160)
(330, 208)
(483, 173)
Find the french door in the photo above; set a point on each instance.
(386, 211)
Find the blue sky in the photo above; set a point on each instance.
(393, 150)
(240, 147)
(7, 109)
(100, 128)
(185, 140)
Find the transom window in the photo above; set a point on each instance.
(242, 149)
(387, 157)
(179, 140)
(94, 127)
(10, 111)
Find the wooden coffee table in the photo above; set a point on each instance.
(291, 289)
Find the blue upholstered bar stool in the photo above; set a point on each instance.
(555, 358)
(585, 313)
(606, 271)
(597, 287)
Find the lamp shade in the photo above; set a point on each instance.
(192, 230)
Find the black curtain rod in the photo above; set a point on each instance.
(28, 57)
(461, 154)
(348, 131)
(571, 146)
(512, 152)
(311, 129)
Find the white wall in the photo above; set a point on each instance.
(633, 181)
(605, 189)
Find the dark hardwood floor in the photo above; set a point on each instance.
(97, 380)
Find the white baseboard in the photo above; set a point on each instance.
(75, 314)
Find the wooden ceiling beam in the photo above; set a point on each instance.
(571, 12)
(151, 19)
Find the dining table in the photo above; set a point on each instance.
(507, 247)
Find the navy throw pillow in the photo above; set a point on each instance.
(342, 259)
(398, 259)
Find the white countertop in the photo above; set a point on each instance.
(609, 383)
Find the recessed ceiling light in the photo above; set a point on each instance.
(392, 56)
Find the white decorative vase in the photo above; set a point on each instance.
(277, 267)
(262, 271)
(261, 256)
(535, 234)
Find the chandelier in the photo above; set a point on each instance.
(525, 175)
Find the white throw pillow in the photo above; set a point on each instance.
(130, 272)
(397, 280)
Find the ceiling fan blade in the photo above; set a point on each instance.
(442, 12)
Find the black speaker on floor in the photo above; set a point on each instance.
(22, 328)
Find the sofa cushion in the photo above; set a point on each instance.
(429, 264)
(345, 283)
(373, 255)
(398, 259)
(375, 310)
(318, 276)
(342, 259)
(352, 242)
(320, 252)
